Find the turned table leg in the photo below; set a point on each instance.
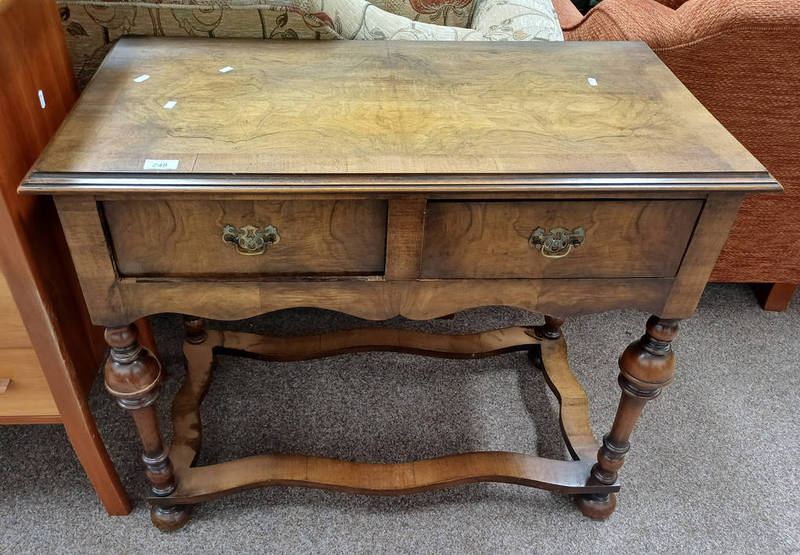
(132, 376)
(646, 366)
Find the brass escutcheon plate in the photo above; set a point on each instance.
(558, 243)
(249, 240)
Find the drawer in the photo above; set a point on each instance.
(188, 238)
(632, 238)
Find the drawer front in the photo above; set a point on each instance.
(618, 238)
(206, 238)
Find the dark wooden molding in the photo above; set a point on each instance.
(380, 184)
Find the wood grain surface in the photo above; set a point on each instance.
(183, 238)
(490, 239)
(202, 483)
(394, 107)
(404, 237)
(573, 405)
(113, 301)
(27, 397)
(476, 345)
(209, 482)
(388, 168)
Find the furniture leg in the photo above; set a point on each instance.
(552, 327)
(775, 296)
(132, 376)
(646, 366)
(550, 330)
(195, 329)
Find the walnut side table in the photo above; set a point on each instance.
(384, 179)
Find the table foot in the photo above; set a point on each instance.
(171, 518)
(596, 507)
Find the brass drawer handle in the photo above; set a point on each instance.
(249, 240)
(558, 243)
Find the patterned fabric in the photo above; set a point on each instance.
(516, 20)
(493, 20)
(92, 26)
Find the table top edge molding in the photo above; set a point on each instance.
(237, 184)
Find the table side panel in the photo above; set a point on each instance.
(710, 234)
(381, 300)
(94, 261)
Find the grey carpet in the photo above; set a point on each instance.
(713, 465)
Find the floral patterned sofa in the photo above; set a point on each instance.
(92, 26)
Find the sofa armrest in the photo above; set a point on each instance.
(663, 27)
(568, 14)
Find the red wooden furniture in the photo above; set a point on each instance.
(49, 351)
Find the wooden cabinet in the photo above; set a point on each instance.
(48, 348)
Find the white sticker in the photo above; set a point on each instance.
(592, 81)
(161, 164)
(41, 99)
(142, 78)
(226, 69)
(170, 105)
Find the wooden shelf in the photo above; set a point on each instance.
(28, 399)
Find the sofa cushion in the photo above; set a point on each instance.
(516, 20)
(493, 20)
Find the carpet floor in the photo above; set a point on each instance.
(714, 464)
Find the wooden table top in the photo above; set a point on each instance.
(390, 113)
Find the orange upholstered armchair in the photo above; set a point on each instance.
(741, 59)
